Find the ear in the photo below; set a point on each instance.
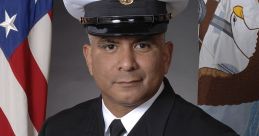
(88, 57)
(168, 51)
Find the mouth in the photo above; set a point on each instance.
(129, 83)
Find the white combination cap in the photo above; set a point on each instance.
(118, 17)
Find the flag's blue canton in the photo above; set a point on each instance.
(28, 13)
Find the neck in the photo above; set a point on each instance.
(118, 110)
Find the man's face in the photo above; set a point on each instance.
(129, 69)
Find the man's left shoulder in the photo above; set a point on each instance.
(189, 117)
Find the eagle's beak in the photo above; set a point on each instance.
(238, 11)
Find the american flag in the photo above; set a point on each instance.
(25, 42)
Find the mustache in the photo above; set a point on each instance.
(128, 77)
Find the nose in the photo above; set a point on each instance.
(127, 60)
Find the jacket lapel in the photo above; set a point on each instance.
(100, 120)
(153, 122)
(93, 125)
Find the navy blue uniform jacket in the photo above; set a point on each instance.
(169, 115)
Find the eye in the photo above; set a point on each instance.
(109, 47)
(143, 46)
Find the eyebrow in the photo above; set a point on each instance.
(136, 39)
(144, 38)
(107, 40)
(150, 38)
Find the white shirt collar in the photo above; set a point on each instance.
(130, 119)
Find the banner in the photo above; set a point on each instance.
(229, 64)
(25, 42)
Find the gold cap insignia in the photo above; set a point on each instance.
(126, 2)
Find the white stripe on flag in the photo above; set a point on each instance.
(40, 43)
(13, 101)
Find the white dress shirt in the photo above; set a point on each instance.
(130, 119)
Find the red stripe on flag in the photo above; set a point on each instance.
(5, 128)
(50, 14)
(28, 74)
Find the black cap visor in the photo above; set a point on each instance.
(127, 29)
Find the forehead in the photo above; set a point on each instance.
(157, 37)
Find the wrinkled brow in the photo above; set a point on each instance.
(134, 39)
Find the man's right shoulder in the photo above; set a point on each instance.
(77, 111)
(71, 119)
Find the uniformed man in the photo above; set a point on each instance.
(128, 57)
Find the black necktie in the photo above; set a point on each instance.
(116, 128)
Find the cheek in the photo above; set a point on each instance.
(103, 69)
(99, 61)
(101, 65)
(152, 64)
(100, 73)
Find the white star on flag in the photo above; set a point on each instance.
(8, 24)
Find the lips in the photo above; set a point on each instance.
(128, 82)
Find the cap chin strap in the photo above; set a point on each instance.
(125, 19)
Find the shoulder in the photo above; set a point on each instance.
(69, 119)
(76, 112)
(190, 117)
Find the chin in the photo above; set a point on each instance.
(131, 103)
(132, 100)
